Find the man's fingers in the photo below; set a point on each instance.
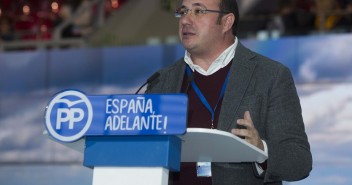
(241, 122)
(240, 132)
(246, 121)
(247, 116)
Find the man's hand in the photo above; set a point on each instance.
(250, 133)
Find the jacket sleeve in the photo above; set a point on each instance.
(290, 158)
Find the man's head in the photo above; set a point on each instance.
(207, 25)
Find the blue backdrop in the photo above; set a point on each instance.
(321, 66)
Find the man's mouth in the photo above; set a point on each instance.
(188, 33)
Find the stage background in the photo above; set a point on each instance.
(321, 66)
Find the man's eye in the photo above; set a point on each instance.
(183, 12)
(198, 11)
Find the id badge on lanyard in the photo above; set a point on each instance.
(203, 169)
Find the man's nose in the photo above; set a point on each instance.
(186, 19)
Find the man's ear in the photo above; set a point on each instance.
(228, 21)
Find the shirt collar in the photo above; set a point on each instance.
(224, 58)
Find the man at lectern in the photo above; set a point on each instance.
(234, 89)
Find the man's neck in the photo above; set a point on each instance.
(205, 59)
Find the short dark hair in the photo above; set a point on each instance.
(232, 7)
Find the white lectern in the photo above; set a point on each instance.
(135, 160)
(211, 145)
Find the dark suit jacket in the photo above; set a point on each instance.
(267, 90)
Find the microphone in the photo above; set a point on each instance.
(150, 79)
(189, 81)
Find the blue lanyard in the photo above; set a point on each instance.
(204, 100)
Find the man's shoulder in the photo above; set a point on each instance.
(178, 65)
(260, 60)
(169, 79)
(267, 62)
(264, 66)
(253, 55)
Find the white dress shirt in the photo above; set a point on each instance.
(222, 61)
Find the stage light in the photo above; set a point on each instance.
(115, 4)
(55, 7)
(26, 10)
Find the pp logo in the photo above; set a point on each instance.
(68, 116)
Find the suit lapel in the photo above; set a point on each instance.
(241, 73)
